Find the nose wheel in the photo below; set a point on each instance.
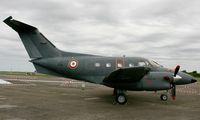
(164, 97)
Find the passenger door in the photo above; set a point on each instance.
(120, 63)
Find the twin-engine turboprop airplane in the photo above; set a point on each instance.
(120, 73)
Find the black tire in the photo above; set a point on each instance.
(121, 99)
(163, 97)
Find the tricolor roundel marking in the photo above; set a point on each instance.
(73, 64)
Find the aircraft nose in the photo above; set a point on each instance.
(193, 80)
(185, 79)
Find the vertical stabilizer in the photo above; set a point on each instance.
(36, 44)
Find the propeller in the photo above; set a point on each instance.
(176, 70)
(173, 84)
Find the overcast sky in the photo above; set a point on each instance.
(167, 31)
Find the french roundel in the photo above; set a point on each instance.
(73, 64)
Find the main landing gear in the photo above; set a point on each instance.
(120, 96)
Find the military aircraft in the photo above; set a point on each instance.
(121, 73)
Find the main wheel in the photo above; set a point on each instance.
(163, 97)
(121, 99)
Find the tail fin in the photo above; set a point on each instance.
(36, 44)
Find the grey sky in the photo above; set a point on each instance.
(166, 31)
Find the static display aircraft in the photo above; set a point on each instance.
(121, 73)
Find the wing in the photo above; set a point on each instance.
(127, 75)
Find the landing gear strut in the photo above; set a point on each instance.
(120, 96)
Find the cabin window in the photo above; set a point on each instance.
(97, 64)
(108, 64)
(131, 65)
(119, 65)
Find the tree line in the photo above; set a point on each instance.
(193, 73)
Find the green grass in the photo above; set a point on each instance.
(198, 79)
(24, 74)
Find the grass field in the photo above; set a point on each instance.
(20, 73)
(198, 79)
(26, 75)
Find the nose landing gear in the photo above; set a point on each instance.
(164, 97)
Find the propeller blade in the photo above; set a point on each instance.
(176, 70)
(173, 83)
(173, 91)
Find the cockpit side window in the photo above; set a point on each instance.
(154, 64)
(131, 65)
(146, 63)
(141, 64)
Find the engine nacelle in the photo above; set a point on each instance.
(156, 81)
